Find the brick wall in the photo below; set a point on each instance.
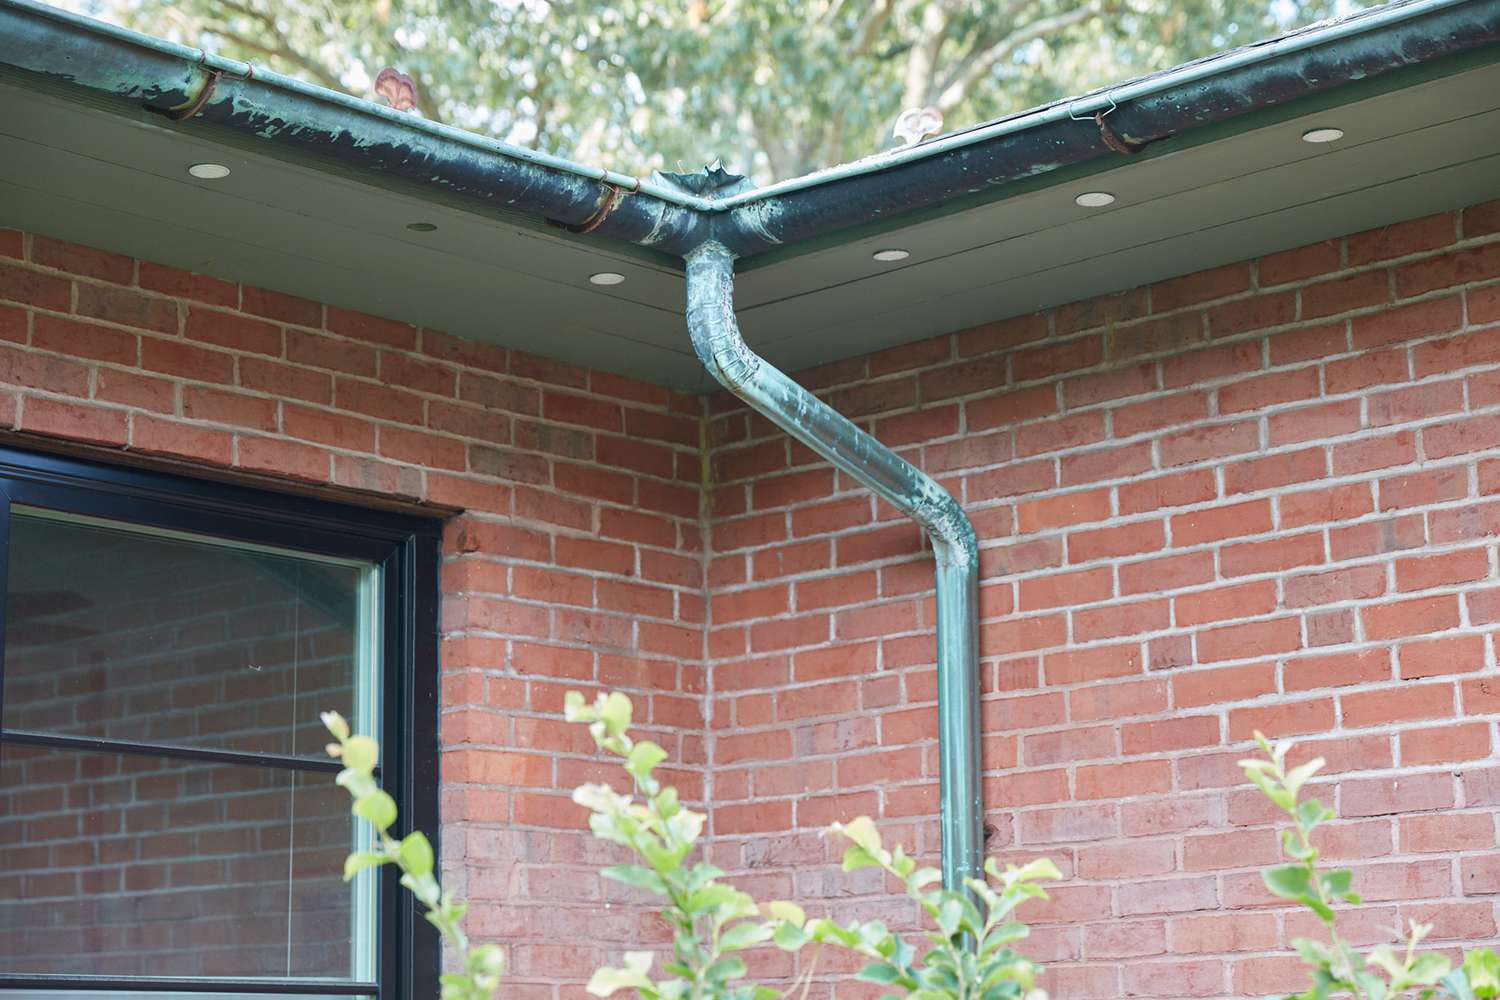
(1258, 497)
(577, 561)
(1252, 497)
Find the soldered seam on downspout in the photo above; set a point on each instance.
(723, 351)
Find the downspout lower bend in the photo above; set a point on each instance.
(723, 351)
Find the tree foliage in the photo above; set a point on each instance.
(775, 87)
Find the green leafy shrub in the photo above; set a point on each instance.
(969, 953)
(711, 921)
(969, 957)
(482, 965)
(1336, 967)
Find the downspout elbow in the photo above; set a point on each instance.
(723, 351)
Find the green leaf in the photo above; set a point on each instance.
(790, 937)
(788, 912)
(745, 934)
(1337, 881)
(1286, 881)
(1458, 984)
(361, 753)
(377, 807)
(725, 968)
(1482, 970)
(861, 830)
(633, 975)
(950, 911)
(1314, 953)
(615, 713)
(644, 757)
(360, 860)
(1297, 776)
(879, 972)
(416, 853)
(336, 725)
(1427, 968)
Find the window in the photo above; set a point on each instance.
(169, 823)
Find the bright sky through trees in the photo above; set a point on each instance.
(776, 88)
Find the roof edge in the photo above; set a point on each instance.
(192, 89)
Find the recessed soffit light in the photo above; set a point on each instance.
(606, 278)
(421, 227)
(1094, 199)
(1325, 133)
(209, 171)
(891, 254)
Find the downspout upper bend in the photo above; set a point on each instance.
(721, 348)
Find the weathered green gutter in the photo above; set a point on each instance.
(716, 338)
(238, 104)
(249, 106)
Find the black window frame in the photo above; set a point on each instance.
(408, 550)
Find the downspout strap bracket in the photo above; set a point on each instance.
(614, 194)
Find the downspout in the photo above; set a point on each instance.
(717, 340)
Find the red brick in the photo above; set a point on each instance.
(1075, 666)
(1071, 431)
(1321, 506)
(1071, 508)
(237, 333)
(187, 285)
(374, 329)
(1310, 423)
(1419, 616)
(1056, 359)
(75, 421)
(1458, 267)
(84, 340)
(1379, 708)
(1355, 291)
(1457, 832)
(1402, 238)
(1366, 369)
(1334, 586)
(165, 437)
(1124, 540)
(1422, 488)
(1420, 319)
(1299, 264)
(126, 307)
(1275, 471)
(1178, 733)
(285, 458)
(1286, 719)
(1199, 287)
(1224, 603)
(1175, 490)
(1380, 452)
(1216, 441)
(1312, 672)
(1445, 744)
(186, 361)
(82, 260)
(1159, 413)
(1200, 687)
(220, 407)
(1239, 642)
(1117, 700)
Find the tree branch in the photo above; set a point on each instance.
(985, 61)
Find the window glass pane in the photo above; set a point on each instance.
(131, 634)
(135, 995)
(132, 865)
